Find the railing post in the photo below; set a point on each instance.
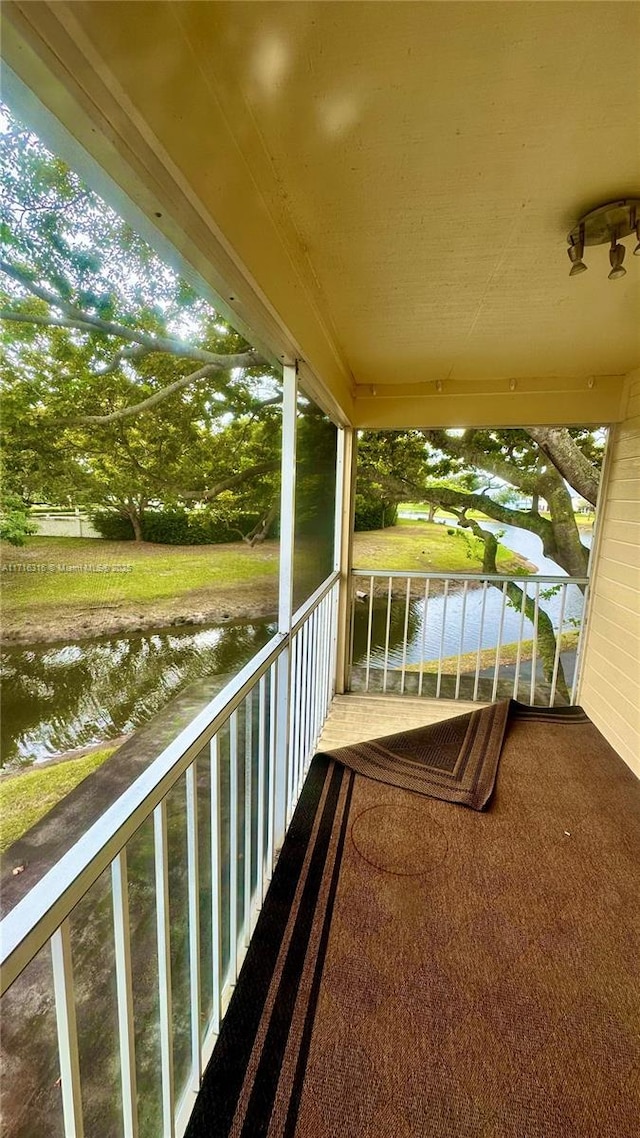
(67, 1032)
(124, 986)
(345, 509)
(285, 606)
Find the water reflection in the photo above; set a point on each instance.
(60, 696)
(57, 697)
(435, 626)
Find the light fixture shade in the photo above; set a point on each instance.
(574, 252)
(607, 224)
(616, 257)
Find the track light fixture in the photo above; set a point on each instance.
(616, 257)
(605, 225)
(576, 253)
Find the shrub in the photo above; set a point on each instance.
(112, 526)
(172, 527)
(15, 523)
(176, 526)
(374, 515)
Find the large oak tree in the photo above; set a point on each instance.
(122, 387)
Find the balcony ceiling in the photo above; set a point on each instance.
(393, 182)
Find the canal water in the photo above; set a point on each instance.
(60, 696)
(436, 627)
(57, 697)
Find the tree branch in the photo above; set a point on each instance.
(134, 352)
(465, 447)
(165, 344)
(461, 499)
(146, 404)
(44, 321)
(230, 483)
(260, 531)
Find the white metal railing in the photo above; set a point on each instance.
(467, 635)
(246, 754)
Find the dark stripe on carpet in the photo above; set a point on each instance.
(225, 1074)
(267, 1076)
(305, 1044)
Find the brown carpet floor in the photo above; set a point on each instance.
(422, 970)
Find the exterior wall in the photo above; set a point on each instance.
(610, 688)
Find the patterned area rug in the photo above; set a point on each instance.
(456, 760)
(420, 970)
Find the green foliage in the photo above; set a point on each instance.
(387, 460)
(112, 526)
(177, 526)
(315, 471)
(94, 324)
(15, 524)
(372, 514)
(389, 463)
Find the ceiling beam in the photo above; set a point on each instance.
(543, 401)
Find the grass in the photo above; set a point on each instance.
(37, 578)
(26, 798)
(151, 572)
(427, 547)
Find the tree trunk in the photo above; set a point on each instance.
(135, 517)
(565, 547)
(546, 637)
(560, 536)
(260, 531)
(558, 446)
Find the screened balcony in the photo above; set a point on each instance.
(381, 195)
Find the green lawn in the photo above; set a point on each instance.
(57, 588)
(428, 547)
(151, 572)
(37, 577)
(26, 798)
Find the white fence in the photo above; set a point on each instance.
(235, 774)
(61, 524)
(467, 636)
